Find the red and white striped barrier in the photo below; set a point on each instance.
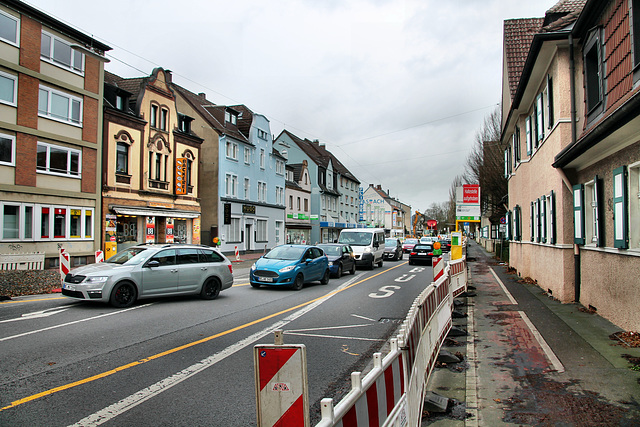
(281, 385)
(372, 400)
(99, 256)
(438, 267)
(65, 264)
(237, 254)
(458, 276)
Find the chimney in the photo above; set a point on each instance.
(379, 187)
(168, 76)
(202, 95)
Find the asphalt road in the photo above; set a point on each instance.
(185, 361)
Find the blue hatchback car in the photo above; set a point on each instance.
(290, 265)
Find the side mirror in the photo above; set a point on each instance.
(308, 260)
(153, 263)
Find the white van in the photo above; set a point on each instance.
(367, 245)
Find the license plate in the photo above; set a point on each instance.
(265, 279)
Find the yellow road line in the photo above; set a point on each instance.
(32, 300)
(176, 349)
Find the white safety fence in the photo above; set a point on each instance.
(25, 261)
(392, 393)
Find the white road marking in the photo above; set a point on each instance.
(325, 328)
(557, 365)
(71, 323)
(333, 336)
(153, 390)
(386, 291)
(35, 315)
(504, 288)
(404, 278)
(362, 317)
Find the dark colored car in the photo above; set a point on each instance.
(340, 257)
(409, 244)
(421, 253)
(392, 249)
(290, 265)
(445, 245)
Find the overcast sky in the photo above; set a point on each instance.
(397, 90)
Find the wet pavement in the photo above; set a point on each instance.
(529, 360)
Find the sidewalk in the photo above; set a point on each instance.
(530, 360)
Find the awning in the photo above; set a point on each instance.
(171, 213)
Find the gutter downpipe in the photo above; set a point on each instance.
(574, 137)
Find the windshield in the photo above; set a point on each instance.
(331, 250)
(391, 242)
(130, 256)
(356, 238)
(285, 252)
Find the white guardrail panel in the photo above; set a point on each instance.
(392, 394)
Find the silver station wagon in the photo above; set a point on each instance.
(147, 271)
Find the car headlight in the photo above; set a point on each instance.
(253, 267)
(367, 249)
(287, 268)
(96, 279)
(330, 263)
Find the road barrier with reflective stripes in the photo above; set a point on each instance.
(379, 399)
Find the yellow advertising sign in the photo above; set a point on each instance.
(181, 176)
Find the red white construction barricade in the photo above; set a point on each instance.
(372, 400)
(438, 267)
(99, 256)
(237, 254)
(65, 264)
(415, 352)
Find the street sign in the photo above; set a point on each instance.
(503, 220)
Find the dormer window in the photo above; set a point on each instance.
(184, 123)
(231, 117)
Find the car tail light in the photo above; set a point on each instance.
(230, 269)
(413, 253)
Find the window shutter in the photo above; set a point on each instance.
(543, 219)
(516, 146)
(537, 214)
(529, 136)
(549, 102)
(578, 214)
(552, 218)
(506, 164)
(620, 213)
(597, 192)
(518, 223)
(507, 235)
(539, 119)
(531, 226)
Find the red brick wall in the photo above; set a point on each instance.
(28, 101)
(617, 37)
(90, 120)
(89, 170)
(30, 36)
(26, 150)
(91, 74)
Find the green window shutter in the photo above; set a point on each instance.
(578, 214)
(543, 219)
(531, 223)
(552, 218)
(518, 223)
(549, 102)
(539, 119)
(529, 135)
(620, 209)
(598, 212)
(507, 235)
(538, 222)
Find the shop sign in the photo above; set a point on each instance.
(227, 213)
(248, 209)
(169, 236)
(151, 229)
(181, 176)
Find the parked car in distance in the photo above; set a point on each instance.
(145, 271)
(428, 239)
(341, 258)
(445, 245)
(392, 249)
(290, 265)
(409, 244)
(421, 253)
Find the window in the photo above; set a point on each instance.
(234, 230)
(122, 158)
(247, 155)
(184, 123)
(529, 135)
(593, 71)
(232, 150)
(158, 166)
(551, 221)
(262, 191)
(516, 147)
(620, 214)
(517, 223)
(9, 28)
(57, 51)
(164, 118)
(59, 106)
(306, 205)
(291, 202)
(7, 150)
(119, 103)
(634, 205)
(279, 167)
(8, 88)
(247, 188)
(153, 119)
(262, 134)
(261, 230)
(278, 232)
(298, 204)
(279, 195)
(262, 158)
(231, 183)
(507, 162)
(578, 214)
(549, 94)
(58, 160)
(230, 117)
(593, 212)
(539, 110)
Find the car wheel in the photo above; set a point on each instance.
(401, 255)
(339, 270)
(298, 283)
(210, 289)
(410, 262)
(325, 278)
(123, 295)
(371, 264)
(255, 285)
(353, 268)
(380, 263)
